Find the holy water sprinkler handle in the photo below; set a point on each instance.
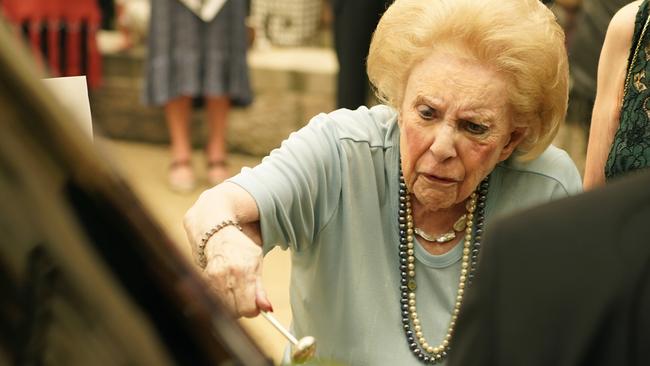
(279, 327)
(303, 349)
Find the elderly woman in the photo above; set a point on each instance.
(384, 208)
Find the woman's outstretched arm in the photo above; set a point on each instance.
(234, 257)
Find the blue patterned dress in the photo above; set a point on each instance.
(189, 57)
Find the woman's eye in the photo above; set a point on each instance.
(475, 128)
(426, 112)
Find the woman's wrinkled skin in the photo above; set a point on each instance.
(455, 127)
(234, 267)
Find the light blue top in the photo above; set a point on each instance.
(330, 193)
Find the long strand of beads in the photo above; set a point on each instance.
(410, 320)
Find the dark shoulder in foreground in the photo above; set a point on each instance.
(611, 206)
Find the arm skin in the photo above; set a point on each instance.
(612, 67)
(234, 268)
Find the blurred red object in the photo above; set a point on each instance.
(60, 18)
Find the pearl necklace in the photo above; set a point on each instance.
(425, 352)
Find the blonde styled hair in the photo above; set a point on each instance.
(520, 39)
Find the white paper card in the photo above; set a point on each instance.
(72, 93)
(205, 9)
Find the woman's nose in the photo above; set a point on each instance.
(443, 146)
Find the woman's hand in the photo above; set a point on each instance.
(234, 271)
(234, 257)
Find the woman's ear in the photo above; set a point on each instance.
(516, 137)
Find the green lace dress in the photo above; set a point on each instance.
(631, 147)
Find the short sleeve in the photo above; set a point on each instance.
(297, 187)
(518, 185)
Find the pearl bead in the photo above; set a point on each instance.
(475, 206)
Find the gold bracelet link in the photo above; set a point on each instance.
(203, 261)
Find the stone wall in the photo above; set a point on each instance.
(290, 87)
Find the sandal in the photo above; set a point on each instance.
(217, 171)
(181, 176)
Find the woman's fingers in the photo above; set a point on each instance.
(221, 287)
(244, 295)
(261, 300)
(234, 270)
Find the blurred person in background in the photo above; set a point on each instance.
(585, 22)
(354, 22)
(619, 140)
(384, 209)
(189, 58)
(584, 42)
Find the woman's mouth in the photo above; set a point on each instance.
(440, 179)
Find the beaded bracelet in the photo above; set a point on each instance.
(203, 261)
